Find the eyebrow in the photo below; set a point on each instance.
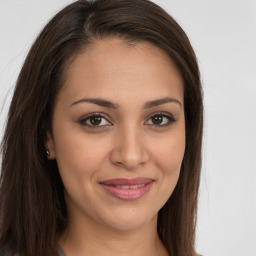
(108, 104)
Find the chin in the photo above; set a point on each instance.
(129, 220)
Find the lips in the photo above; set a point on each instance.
(127, 189)
(129, 182)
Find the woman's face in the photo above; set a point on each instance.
(119, 133)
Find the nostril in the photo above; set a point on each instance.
(129, 154)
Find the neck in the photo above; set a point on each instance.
(84, 236)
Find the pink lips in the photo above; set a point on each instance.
(127, 189)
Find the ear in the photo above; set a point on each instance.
(50, 148)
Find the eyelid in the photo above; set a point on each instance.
(83, 120)
(160, 113)
(164, 114)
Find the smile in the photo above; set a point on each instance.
(127, 189)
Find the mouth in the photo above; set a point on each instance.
(127, 189)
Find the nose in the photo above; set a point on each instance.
(129, 150)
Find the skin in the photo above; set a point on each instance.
(126, 144)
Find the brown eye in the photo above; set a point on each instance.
(95, 120)
(157, 119)
(161, 120)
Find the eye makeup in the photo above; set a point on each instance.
(100, 120)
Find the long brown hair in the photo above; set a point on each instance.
(32, 206)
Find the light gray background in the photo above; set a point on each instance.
(223, 33)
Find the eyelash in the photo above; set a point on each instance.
(170, 121)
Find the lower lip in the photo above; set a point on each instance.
(127, 194)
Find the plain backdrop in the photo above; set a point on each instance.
(223, 34)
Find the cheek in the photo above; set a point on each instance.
(79, 158)
(170, 154)
(78, 155)
(169, 162)
(168, 159)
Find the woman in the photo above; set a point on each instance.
(102, 149)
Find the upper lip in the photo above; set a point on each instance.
(122, 181)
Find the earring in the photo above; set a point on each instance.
(48, 152)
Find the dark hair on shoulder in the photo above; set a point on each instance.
(32, 206)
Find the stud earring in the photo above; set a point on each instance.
(48, 152)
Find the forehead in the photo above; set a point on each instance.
(113, 68)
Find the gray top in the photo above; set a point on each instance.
(61, 253)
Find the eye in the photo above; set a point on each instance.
(94, 121)
(161, 120)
